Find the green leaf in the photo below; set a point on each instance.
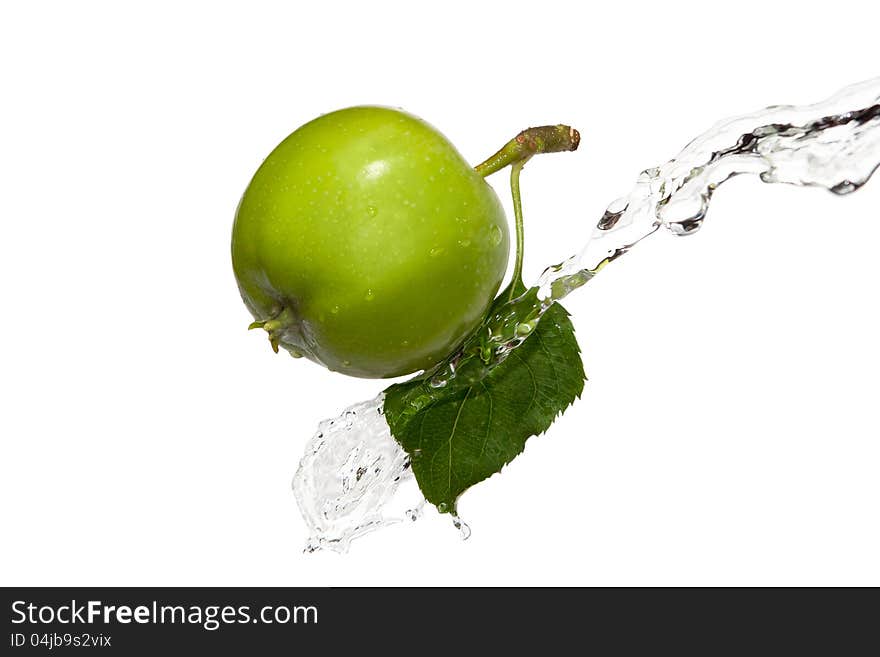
(469, 434)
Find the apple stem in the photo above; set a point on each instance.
(531, 141)
(515, 170)
(518, 151)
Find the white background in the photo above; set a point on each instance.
(728, 434)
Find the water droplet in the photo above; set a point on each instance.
(369, 296)
(443, 507)
(295, 353)
(844, 187)
(416, 512)
(346, 363)
(495, 235)
(372, 210)
(437, 251)
(462, 527)
(334, 310)
(464, 243)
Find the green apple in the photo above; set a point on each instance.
(368, 244)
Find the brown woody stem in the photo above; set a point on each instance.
(531, 141)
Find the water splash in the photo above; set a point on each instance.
(349, 479)
(834, 144)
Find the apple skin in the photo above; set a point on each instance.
(371, 241)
